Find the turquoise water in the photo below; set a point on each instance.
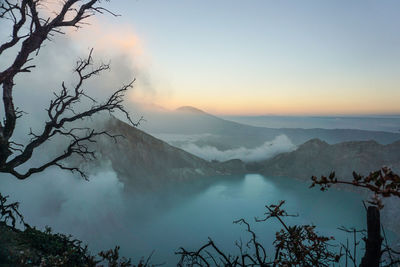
(187, 221)
(103, 214)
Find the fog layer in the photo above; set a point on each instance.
(267, 150)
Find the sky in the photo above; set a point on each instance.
(258, 57)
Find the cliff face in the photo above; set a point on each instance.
(316, 157)
(144, 162)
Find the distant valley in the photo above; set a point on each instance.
(224, 134)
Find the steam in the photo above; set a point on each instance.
(267, 150)
(67, 202)
(55, 63)
(89, 210)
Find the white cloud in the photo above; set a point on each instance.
(267, 150)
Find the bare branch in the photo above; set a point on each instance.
(10, 212)
(24, 15)
(61, 112)
(294, 246)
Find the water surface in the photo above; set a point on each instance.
(189, 220)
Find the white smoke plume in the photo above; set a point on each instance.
(267, 150)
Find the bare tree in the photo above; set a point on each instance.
(29, 31)
(382, 183)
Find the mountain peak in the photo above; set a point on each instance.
(190, 109)
(314, 143)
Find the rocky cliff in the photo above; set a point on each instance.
(317, 157)
(144, 162)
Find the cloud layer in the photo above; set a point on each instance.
(267, 150)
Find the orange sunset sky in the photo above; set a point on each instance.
(263, 57)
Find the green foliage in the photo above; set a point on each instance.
(57, 249)
(33, 247)
(113, 258)
(300, 245)
(383, 183)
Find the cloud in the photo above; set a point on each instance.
(267, 150)
(70, 204)
(125, 49)
(58, 198)
(55, 197)
(55, 63)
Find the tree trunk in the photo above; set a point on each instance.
(373, 243)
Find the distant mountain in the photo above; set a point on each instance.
(190, 109)
(144, 162)
(224, 134)
(317, 157)
(384, 123)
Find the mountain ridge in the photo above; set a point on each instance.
(316, 157)
(191, 109)
(144, 162)
(225, 134)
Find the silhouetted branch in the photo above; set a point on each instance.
(260, 257)
(294, 246)
(10, 212)
(348, 253)
(383, 183)
(390, 256)
(30, 29)
(59, 117)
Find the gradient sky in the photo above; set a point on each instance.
(263, 57)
